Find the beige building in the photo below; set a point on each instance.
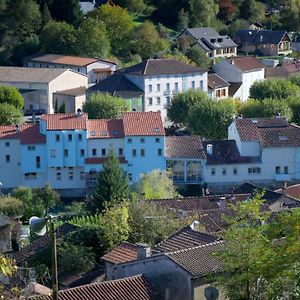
(37, 85)
(217, 86)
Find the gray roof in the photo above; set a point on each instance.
(259, 36)
(38, 75)
(209, 39)
(73, 92)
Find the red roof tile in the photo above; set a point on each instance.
(103, 128)
(65, 121)
(101, 160)
(292, 191)
(143, 123)
(214, 81)
(246, 63)
(27, 134)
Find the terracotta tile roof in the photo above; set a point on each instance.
(292, 191)
(246, 63)
(125, 252)
(184, 238)
(101, 160)
(27, 134)
(65, 121)
(103, 128)
(184, 147)
(199, 261)
(130, 288)
(214, 81)
(270, 132)
(143, 123)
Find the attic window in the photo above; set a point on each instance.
(103, 133)
(115, 132)
(156, 129)
(92, 133)
(254, 121)
(283, 138)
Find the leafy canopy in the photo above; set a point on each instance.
(10, 95)
(10, 115)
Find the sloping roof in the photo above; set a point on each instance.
(184, 147)
(27, 134)
(125, 252)
(283, 71)
(292, 191)
(214, 81)
(31, 75)
(184, 238)
(69, 121)
(246, 63)
(270, 132)
(130, 288)
(226, 152)
(143, 123)
(199, 261)
(73, 92)
(116, 85)
(160, 67)
(103, 128)
(259, 36)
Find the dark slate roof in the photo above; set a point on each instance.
(226, 152)
(259, 36)
(270, 132)
(214, 81)
(209, 39)
(161, 67)
(184, 238)
(199, 261)
(184, 147)
(73, 92)
(116, 85)
(130, 288)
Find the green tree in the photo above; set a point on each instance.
(56, 109)
(147, 41)
(273, 88)
(119, 26)
(252, 10)
(199, 57)
(62, 108)
(92, 40)
(290, 15)
(155, 185)
(104, 106)
(11, 206)
(294, 105)
(178, 56)
(112, 185)
(10, 115)
(46, 15)
(202, 118)
(135, 6)
(183, 20)
(10, 95)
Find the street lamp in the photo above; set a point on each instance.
(39, 227)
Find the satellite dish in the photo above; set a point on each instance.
(211, 293)
(38, 225)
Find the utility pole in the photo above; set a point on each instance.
(54, 261)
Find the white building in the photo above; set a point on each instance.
(240, 72)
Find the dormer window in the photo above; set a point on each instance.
(283, 138)
(103, 133)
(92, 133)
(156, 130)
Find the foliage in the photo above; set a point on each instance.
(10, 95)
(178, 56)
(8, 269)
(183, 20)
(273, 88)
(252, 10)
(62, 108)
(227, 10)
(294, 104)
(295, 79)
(155, 185)
(10, 206)
(112, 185)
(105, 106)
(290, 15)
(10, 115)
(135, 6)
(203, 12)
(199, 57)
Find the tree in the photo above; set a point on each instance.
(273, 88)
(112, 185)
(62, 108)
(104, 106)
(199, 57)
(290, 15)
(294, 105)
(92, 40)
(46, 15)
(56, 109)
(155, 185)
(10, 115)
(10, 95)
(183, 20)
(178, 56)
(252, 10)
(227, 10)
(202, 118)
(119, 26)
(10, 206)
(135, 6)
(147, 41)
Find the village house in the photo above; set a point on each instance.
(207, 39)
(217, 86)
(284, 71)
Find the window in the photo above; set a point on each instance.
(150, 88)
(158, 87)
(58, 168)
(92, 133)
(38, 162)
(58, 175)
(142, 152)
(71, 168)
(30, 176)
(115, 132)
(103, 133)
(7, 158)
(7, 144)
(168, 87)
(277, 169)
(129, 141)
(82, 152)
(157, 100)
(193, 84)
(168, 100)
(82, 175)
(201, 85)
(94, 151)
(70, 137)
(176, 86)
(57, 137)
(224, 171)
(159, 152)
(220, 93)
(30, 148)
(157, 140)
(80, 137)
(66, 152)
(255, 170)
(130, 176)
(103, 151)
(120, 151)
(142, 140)
(150, 101)
(134, 152)
(213, 171)
(235, 171)
(71, 175)
(286, 170)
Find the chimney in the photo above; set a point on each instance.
(17, 127)
(222, 203)
(209, 149)
(143, 251)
